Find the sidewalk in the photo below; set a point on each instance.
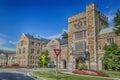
(91, 76)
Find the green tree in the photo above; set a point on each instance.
(112, 57)
(117, 23)
(47, 59)
(64, 35)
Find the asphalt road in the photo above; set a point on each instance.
(14, 76)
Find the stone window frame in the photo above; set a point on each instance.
(110, 40)
(32, 51)
(80, 35)
(22, 42)
(24, 50)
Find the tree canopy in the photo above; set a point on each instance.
(117, 23)
(64, 35)
(112, 57)
(47, 59)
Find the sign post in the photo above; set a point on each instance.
(57, 52)
(43, 60)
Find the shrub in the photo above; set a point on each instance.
(15, 64)
(82, 66)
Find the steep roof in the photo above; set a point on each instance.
(106, 30)
(63, 41)
(6, 50)
(45, 41)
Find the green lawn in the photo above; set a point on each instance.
(114, 74)
(52, 76)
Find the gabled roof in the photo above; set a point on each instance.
(6, 50)
(45, 41)
(63, 41)
(106, 30)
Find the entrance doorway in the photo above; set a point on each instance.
(64, 64)
(78, 60)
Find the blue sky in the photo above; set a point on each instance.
(47, 18)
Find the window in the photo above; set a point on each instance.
(80, 35)
(32, 51)
(110, 40)
(24, 50)
(85, 23)
(19, 51)
(64, 47)
(22, 43)
(32, 43)
(79, 46)
(38, 44)
(99, 47)
(38, 51)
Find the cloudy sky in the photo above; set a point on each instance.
(47, 18)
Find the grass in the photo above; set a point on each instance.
(52, 76)
(114, 74)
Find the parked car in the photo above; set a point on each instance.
(51, 65)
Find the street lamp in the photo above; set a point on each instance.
(87, 57)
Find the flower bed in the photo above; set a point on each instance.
(79, 72)
(89, 72)
(99, 73)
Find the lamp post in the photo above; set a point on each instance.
(87, 57)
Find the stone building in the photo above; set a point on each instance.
(29, 49)
(7, 56)
(89, 33)
(58, 44)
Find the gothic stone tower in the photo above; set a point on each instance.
(83, 30)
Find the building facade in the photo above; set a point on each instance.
(7, 57)
(29, 49)
(88, 32)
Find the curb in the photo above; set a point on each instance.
(39, 78)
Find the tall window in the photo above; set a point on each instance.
(32, 51)
(19, 51)
(24, 50)
(38, 44)
(22, 43)
(33, 43)
(80, 35)
(85, 23)
(38, 51)
(80, 46)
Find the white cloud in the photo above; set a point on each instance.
(2, 39)
(64, 30)
(110, 16)
(12, 42)
(54, 36)
(2, 42)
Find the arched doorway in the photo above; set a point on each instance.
(78, 60)
(64, 64)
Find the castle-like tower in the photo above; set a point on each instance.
(83, 30)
